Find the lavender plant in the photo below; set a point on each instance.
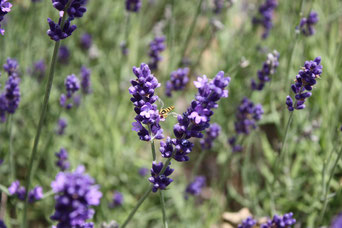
(178, 81)
(5, 8)
(307, 24)
(156, 47)
(265, 16)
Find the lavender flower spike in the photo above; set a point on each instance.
(147, 118)
(178, 81)
(156, 47)
(75, 194)
(265, 18)
(307, 24)
(133, 5)
(5, 7)
(269, 68)
(72, 85)
(286, 221)
(11, 67)
(247, 223)
(12, 93)
(85, 80)
(160, 181)
(62, 161)
(305, 80)
(62, 124)
(2, 224)
(195, 187)
(118, 199)
(211, 134)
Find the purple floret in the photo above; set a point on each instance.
(307, 24)
(195, 187)
(156, 47)
(265, 17)
(160, 181)
(178, 81)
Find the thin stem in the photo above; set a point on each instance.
(325, 201)
(153, 149)
(198, 162)
(11, 156)
(42, 117)
(163, 208)
(140, 202)
(191, 30)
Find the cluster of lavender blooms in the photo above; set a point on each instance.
(76, 9)
(178, 81)
(269, 67)
(85, 80)
(61, 125)
(133, 5)
(34, 195)
(305, 80)
(5, 8)
(39, 69)
(246, 116)
(266, 11)
(142, 90)
(117, 201)
(160, 181)
(72, 85)
(286, 221)
(64, 55)
(247, 223)
(86, 41)
(156, 47)
(197, 117)
(211, 134)
(195, 187)
(62, 161)
(307, 24)
(10, 97)
(75, 194)
(2, 224)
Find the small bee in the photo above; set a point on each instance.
(164, 111)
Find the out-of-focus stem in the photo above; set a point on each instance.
(11, 152)
(163, 208)
(191, 30)
(42, 117)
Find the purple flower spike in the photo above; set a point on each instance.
(211, 134)
(156, 47)
(62, 161)
(34, 195)
(11, 67)
(307, 24)
(86, 41)
(286, 221)
(195, 187)
(5, 7)
(133, 5)
(64, 54)
(118, 199)
(305, 80)
(247, 223)
(246, 116)
(178, 81)
(72, 85)
(2, 224)
(75, 194)
(269, 68)
(265, 17)
(85, 80)
(142, 90)
(12, 93)
(56, 33)
(160, 181)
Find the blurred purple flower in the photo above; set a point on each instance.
(118, 199)
(247, 223)
(124, 48)
(269, 68)
(75, 193)
(72, 85)
(337, 222)
(11, 67)
(286, 221)
(133, 5)
(143, 171)
(211, 134)
(85, 80)
(2, 224)
(5, 7)
(12, 93)
(265, 17)
(156, 47)
(86, 41)
(34, 195)
(62, 124)
(62, 161)
(64, 54)
(195, 187)
(307, 24)
(178, 81)
(39, 69)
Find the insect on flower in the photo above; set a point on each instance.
(164, 111)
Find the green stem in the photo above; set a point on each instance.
(11, 157)
(140, 202)
(163, 208)
(42, 117)
(153, 150)
(325, 201)
(191, 30)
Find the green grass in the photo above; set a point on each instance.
(99, 132)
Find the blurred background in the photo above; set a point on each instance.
(99, 132)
